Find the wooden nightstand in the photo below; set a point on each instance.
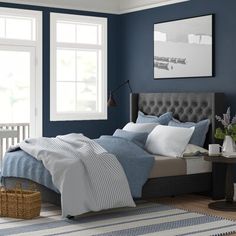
(228, 204)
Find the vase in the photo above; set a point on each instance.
(228, 145)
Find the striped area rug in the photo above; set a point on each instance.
(146, 219)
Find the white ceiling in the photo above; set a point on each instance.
(106, 6)
(136, 5)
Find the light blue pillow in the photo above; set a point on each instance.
(199, 135)
(137, 138)
(162, 120)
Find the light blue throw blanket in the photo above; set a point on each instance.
(20, 164)
(136, 162)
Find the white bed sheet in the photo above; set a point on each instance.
(198, 165)
(170, 166)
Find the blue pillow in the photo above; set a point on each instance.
(162, 120)
(200, 132)
(137, 138)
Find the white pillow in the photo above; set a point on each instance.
(194, 150)
(140, 127)
(168, 141)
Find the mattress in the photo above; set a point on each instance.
(170, 166)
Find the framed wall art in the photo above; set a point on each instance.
(184, 48)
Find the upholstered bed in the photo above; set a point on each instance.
(185, 107)
(168, 176)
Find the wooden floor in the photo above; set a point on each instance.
(196, 203)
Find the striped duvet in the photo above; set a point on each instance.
(87, 176)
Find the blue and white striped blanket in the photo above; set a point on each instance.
(136, 162)
(87, 176)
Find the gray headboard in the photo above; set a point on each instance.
(185, 107)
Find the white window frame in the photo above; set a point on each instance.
(36, 119)
(64, 116)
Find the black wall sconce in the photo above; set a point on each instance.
(111, 101)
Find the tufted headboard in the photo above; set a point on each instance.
(185, 107)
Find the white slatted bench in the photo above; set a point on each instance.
(7, 134)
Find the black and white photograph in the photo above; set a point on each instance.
(183, 48)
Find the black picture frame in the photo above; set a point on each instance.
(171, 61)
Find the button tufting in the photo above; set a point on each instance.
(151, 103)
(184, 109)
(176, 103)
(194, 118)
(199, 110)
(164, 110)
(190, 110)
(204, 104)
(168, 103)
(193, 104)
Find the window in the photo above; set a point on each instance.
(159, 36)
(21, 69)
(17, 27)
(200, 39)
(78, 67)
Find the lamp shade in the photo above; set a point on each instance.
(111, 101)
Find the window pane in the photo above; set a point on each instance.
(2, 28)
(87, 66)
(80, 43)
(86, 97)
(87, 34)
(15, 86)
(33, 32)
(66, 65)
(66, 103)
(17, 28)
(87, 73)
(66, 32)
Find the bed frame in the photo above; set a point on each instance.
(185, 107)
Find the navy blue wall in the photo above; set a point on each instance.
(137, 49)
(92, 129)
